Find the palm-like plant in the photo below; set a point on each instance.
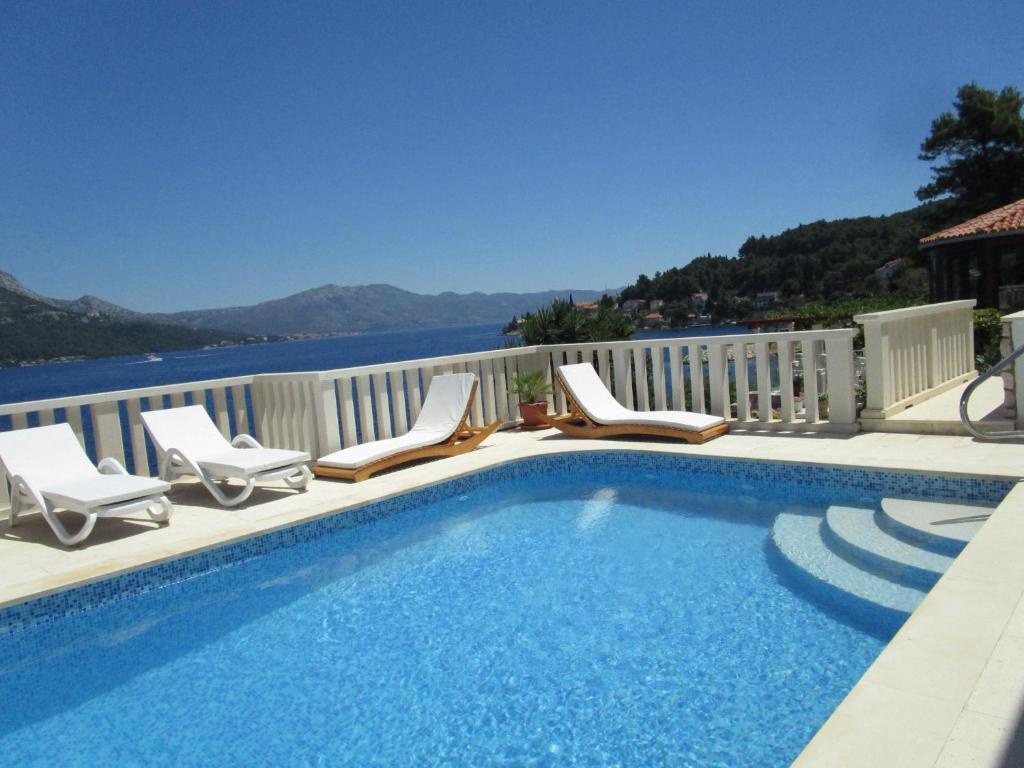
(610, 325)
(530, 386)
(564, 323)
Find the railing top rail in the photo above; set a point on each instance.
(736, 338)
(424, 362)
(894, 315)
(1014, 316)
(123, 394)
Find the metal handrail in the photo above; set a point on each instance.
(965, 419)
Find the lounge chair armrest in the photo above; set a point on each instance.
(175, 462)
(111, 466)
(20, 487)
(245, 441)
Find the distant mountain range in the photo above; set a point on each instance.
(33, 326)
(328, 309)
(347, 309)
(90, 306)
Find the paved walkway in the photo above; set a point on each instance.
(941, 414)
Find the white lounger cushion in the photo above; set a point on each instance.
(442, 412)
(367, 453)
(49, 469)
(250, 460)
(85, 494)
(187, 429)
(597, 403)
(51, 460)
(190, 431)
(42, 456)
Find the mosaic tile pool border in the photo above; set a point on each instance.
(825, 479)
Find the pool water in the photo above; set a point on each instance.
(584, 617)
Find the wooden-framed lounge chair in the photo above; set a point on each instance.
(593, 412)
(189, 443)
(47, 468)
(441, 429)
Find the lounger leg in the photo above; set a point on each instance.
(165, 470)
(69, 540)
(165, 509)
(222, 498)
(21, 495)
(300, 479)
(15, 507)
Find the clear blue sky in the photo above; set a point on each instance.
(180, 155)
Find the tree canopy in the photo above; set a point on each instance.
(981, 149)
(564, 323)
(823, 261)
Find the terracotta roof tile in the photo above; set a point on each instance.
(1009, 218)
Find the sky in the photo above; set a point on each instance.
(183, 155)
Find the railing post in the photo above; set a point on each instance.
(785, 358)
(934, 361)
(876, 354)
(622, 383)
(1016, 322)
(842, 406)
(326, 417)
(718, 377)
(969, 362)
(297, 411)
(106, 429)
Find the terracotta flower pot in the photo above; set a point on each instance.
(529, 413)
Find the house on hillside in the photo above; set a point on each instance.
(652, 320)
(981, 258)
(656, 305)
(632, 306)
(587, 307)
(767, 300)
(885, 272)
(699, 301)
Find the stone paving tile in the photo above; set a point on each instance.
(982, 740)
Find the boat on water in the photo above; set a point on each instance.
(153, 358)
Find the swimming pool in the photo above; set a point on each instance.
(603, 609)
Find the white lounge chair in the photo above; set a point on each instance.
(593, 412)
(441, 429)
(189, 443)
(47, 468)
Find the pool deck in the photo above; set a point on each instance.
(940, 415)
(947, 691)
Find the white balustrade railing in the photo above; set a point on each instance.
(374, 402)
(916, 353)
(753, 379)
(110, 423)
(749, 378)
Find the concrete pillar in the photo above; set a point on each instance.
(1013, 396)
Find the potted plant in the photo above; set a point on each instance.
(530, 387)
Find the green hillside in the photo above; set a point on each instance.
(34, 330)
(825, 261)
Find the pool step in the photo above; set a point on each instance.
(856, 535)
(932, 525)
(876, 563)
(798, 538)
